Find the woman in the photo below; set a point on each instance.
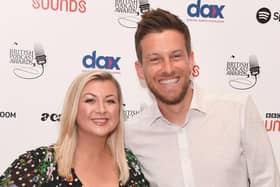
(90, 148)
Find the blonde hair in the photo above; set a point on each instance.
(66, 143)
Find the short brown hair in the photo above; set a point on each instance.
(159, 20)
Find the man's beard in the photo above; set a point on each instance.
(171, 101)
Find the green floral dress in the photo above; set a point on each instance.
(38, 168)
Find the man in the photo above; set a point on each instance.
(190, 137)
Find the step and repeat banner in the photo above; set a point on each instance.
(44, 44)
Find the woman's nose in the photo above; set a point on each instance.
(100, 108)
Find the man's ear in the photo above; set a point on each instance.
(139, 70)
(191, 59)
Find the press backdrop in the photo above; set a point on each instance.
(44, 44)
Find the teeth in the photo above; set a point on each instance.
(169, 81)
(100, 120)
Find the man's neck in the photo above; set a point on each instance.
(176, 114)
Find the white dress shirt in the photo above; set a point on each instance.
(222, 144)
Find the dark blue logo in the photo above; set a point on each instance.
(197, 10)
(101, 62)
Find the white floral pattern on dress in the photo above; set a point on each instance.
(38, 168)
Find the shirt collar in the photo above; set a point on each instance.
(155, 113)
(198, 103)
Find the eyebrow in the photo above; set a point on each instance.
(174, 51)
(88, 93)
(150, 55)
(178, 50)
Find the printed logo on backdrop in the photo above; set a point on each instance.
(132, 113)
(242, 73)
(70, 6)
(272, 122)
(128, 12)
(8, 115)
(55, 117)
(195, 71)
(52, 117)
(27, 63)
(102, 62)
(264, 15)
(202, 11)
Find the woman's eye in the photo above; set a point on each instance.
(90, 100)
(111, 101)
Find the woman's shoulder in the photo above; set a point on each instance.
(29, 167)
(136, 178)
(35, 157)
(132, 162)
(131, 158)
(39, 153)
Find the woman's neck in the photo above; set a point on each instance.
(94, 164)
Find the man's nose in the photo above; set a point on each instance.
(167, 66)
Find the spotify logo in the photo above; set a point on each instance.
(263, 15)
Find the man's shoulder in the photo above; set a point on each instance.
(223, 95)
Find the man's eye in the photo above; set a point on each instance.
(154, 60)
(176, 57)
